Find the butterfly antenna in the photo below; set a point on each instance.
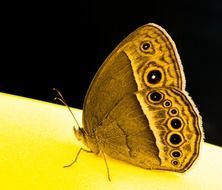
(61, 99)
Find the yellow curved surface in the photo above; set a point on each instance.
(37, 140)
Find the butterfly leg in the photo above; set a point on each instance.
(77, 155)
(107, 167)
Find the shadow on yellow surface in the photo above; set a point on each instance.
(37, 140)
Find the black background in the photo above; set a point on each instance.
(63, 45)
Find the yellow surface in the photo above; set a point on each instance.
(37, 140)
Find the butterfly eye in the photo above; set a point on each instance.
(176, 154)
(154, 76)
(167, 103)
(176, 123)
(173, 111)
(155, 96)
(145, 46)
(175, 162)
(175, 139)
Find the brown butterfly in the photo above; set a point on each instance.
(136, 108)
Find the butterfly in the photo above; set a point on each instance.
(137, 108)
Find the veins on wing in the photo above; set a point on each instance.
(126, 138)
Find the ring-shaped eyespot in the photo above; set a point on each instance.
(175, 162)
(175, 139)
(155, 97)
(167, 103)
(154, 76)
(173, 112)
(175, 123)
(176, 153)
(145, 46)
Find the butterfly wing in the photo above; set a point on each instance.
(159, 131)
(156, 128)
(146, 57)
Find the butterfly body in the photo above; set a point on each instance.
(136, 108)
